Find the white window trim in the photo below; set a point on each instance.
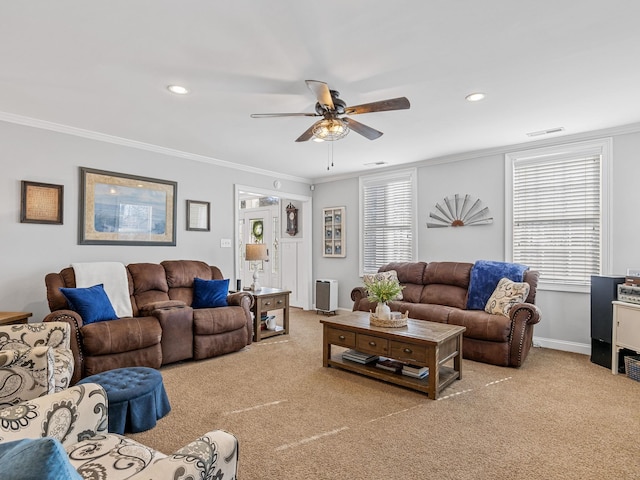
(603, 147)
(383, 178)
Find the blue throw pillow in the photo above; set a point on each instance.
(43, 458)
(210, 293)
(91, 303)
(485, 276)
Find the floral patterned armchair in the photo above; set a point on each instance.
(78, 418)
(35, 359)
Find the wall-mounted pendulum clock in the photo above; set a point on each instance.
(292, 220)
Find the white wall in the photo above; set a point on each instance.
(30, 251)
(342, 193)
(565, 320)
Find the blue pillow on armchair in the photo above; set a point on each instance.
(42, 458)
(210, 293)
(91, 303)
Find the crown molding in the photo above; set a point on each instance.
(502, 150)
(458, 157)
(102, 137)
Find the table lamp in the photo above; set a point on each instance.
(256, 252)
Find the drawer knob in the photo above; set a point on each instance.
(408, 350)
(342, 337)
(372, 343)
(279, 302)
(267, 303)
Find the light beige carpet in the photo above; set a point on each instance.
(557, 417)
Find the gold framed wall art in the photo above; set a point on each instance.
(121, 209)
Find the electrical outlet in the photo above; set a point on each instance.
(633, 272)
(225, 243)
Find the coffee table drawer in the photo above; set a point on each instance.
(341, 337)
(371, 344)
(408, 352)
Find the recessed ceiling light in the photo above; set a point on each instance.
(475, 97)
(178, 90)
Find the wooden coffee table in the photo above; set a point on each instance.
(420, 343)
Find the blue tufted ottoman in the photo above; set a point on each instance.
(136, 395)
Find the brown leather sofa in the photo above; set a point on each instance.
(164, 327)
(438, 291)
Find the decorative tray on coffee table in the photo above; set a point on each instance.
(397, 319)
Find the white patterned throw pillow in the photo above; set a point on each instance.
(505, 296)
(388, 275)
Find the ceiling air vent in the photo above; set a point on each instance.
(545, 132)
(374, 164)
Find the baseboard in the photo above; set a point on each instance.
(563, 345)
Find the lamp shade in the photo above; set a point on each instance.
(256, 251)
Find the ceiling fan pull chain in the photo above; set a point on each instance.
(332, 154)
(328, 154)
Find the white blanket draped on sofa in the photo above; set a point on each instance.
(113, 276)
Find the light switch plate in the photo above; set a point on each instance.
(633, 272)
(225, 243)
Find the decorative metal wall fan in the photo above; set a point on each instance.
(459, 210)
(335, 124)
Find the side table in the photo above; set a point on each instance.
(626, 330)
(14, 318)
(266, 300)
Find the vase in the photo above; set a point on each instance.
(383, 311)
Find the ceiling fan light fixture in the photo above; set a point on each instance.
(330, 129)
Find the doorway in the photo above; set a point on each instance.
(259, 219)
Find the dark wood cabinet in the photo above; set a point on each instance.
(604, 290)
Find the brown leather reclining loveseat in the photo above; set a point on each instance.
(164, 327)
(438, 292)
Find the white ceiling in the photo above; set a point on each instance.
(103, 66)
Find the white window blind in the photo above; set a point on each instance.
(557, 219)
(387, 219)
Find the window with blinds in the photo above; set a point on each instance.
(387, 219)
(557, 214)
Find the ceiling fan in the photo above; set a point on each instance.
(335, 124)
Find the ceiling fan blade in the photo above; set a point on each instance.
(270, 115)
(307, 135)
(400, 103)
(362, 129)
(322, 93)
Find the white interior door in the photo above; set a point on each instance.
(258, 228)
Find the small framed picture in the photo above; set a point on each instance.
(198, 216)
(41, 203)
